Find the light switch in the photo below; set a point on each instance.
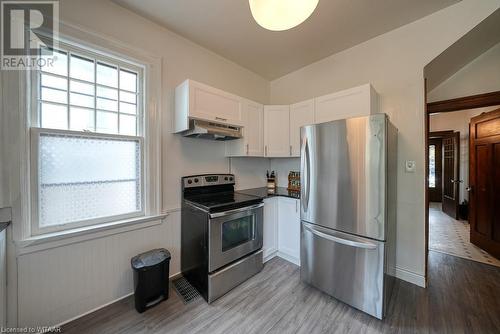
(410, 166)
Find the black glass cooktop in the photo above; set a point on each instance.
(216, 202)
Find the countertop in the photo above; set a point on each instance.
(263, 193)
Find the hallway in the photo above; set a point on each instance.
(450, 236)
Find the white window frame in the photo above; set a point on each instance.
(149, 131)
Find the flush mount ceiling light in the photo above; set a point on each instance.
(278, 15)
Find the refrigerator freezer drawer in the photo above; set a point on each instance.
(347, 267)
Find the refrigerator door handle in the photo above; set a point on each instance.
(340, 240)
(306, 165)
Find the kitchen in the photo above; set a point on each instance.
(171, 60)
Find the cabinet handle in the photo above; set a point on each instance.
(221, 119)
(290, 150)
(247, 149)
(265, 150)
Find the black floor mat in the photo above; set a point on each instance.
(185, 290)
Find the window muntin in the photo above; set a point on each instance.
(84, 92)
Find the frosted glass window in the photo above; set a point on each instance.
(87, 178)
(81, 87)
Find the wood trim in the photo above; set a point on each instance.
(440, 134)
(427, 127)
(463, 103)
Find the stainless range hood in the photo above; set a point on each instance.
(212, 131)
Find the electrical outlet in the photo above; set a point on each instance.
(410, 166)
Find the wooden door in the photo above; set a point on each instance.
(435, 170)
(484, 182)
(451, 181)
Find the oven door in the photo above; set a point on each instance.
(234, 234)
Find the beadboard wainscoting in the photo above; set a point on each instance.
(59, 284)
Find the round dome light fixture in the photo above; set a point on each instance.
(279, 15)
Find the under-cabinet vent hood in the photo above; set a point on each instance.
(211, 130)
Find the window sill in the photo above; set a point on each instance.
(62, 238)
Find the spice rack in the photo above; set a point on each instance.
(293, 181)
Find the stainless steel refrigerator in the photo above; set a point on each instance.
(348, 214)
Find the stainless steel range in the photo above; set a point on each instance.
(221, 233)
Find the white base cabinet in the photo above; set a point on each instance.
(282, 229)
(270, 244)
(289, 229)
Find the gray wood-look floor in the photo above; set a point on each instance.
(463, 297)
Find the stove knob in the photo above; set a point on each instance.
(231, 178)
(225, 179)
(189, 181)
(196, 180)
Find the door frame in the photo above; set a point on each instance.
(462, 103)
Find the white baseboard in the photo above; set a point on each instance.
(171, 278)
(94, 309)
(289, 258)
(269, 255)
(411, 277)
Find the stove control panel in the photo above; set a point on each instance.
(207, 180)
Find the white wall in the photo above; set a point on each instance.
(482, 75)
(459, 121)
(59, 283)
(393, 63)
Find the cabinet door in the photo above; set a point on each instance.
(252, 143)
(213, 104)
(270, 244)
(301, 114)
(353, 102)
(277, 131)
(289, 229)
(253, 132)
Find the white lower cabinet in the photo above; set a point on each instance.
(270, 244)
(289, 229)
(282, 229)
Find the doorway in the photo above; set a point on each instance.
(463, 166)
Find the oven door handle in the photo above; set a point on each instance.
(230, 212)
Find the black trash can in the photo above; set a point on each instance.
(151, 271)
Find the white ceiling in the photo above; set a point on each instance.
(227, 28)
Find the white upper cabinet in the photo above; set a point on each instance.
(277, 131)
(252, 143)
(198, 101)
(301, 114)
(353, 102)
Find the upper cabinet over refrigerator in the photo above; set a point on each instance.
(301, 114)
(353, 102)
